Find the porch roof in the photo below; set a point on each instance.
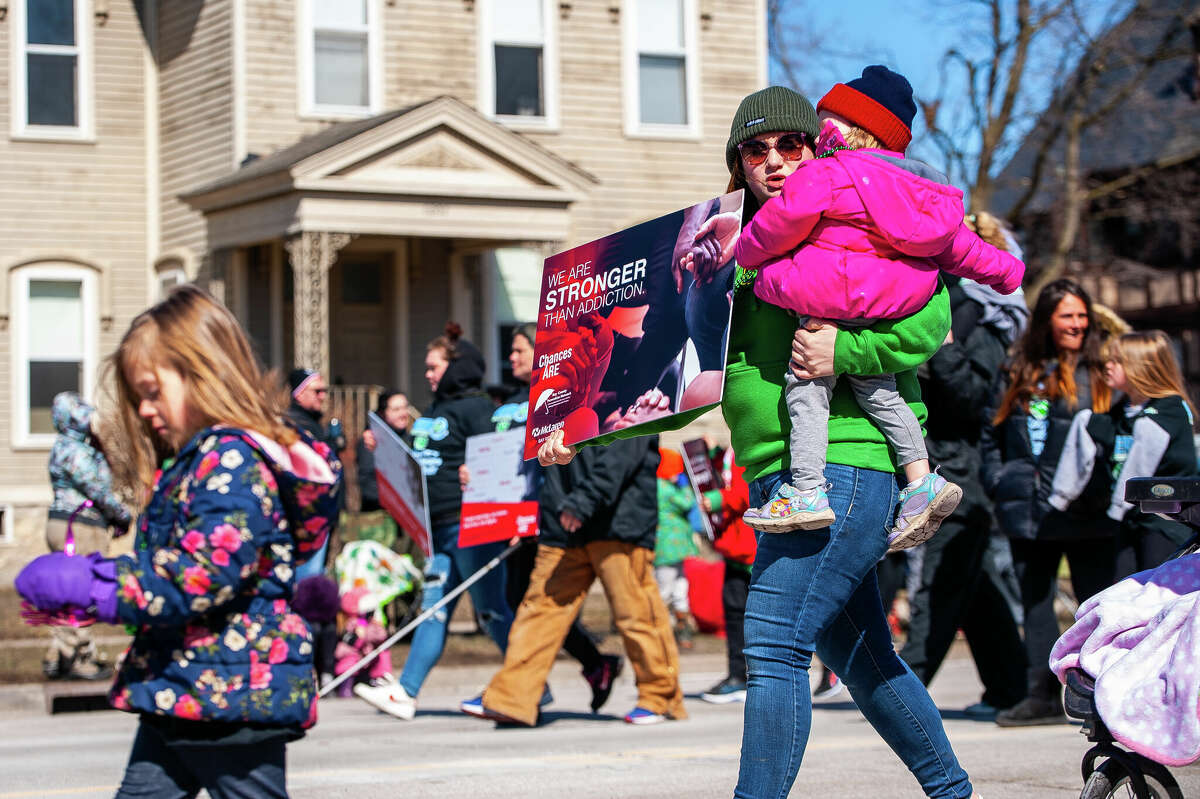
(438, 168)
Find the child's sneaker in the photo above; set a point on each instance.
(792, 509)
(923, 507)
(390, 697)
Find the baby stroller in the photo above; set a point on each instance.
(1120, 772)
(389, 582)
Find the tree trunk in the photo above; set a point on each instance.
(1072, 210)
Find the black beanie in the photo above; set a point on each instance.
(298, 377)
(880, 102)
(775, 109)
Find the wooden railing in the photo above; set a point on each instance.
(351, 404)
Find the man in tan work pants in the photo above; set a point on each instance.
(599, 516)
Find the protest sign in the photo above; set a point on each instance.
(494, 506)
(703, 479)
(632, 327)
(402, 491)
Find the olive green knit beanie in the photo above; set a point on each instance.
(773, 109)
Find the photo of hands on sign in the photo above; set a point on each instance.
(633, 326)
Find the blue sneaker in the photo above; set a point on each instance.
(791, 509)
(730, 689)
(639, 715)
(924, 505)
(473, 707)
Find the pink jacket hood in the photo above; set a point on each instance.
(914, 215)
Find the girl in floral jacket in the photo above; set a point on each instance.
(220, 668)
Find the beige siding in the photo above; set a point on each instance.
(195, 109)
(272, 100)
(82, 199)
(430, 50)
(643, 178)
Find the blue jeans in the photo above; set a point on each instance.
(159, 770)
(444, 572)
(817, 591)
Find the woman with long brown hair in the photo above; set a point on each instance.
(1056, 369)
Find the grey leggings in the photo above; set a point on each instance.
(808, 408)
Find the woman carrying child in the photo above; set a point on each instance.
(856, 235)
(220, 669)
(814, 592)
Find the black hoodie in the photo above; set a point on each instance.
(460, 409)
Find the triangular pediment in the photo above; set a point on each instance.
(441, 157)
(444, 148)
(441, 148)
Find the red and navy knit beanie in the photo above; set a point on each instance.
(880, 102)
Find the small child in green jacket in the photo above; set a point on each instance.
(675, 542)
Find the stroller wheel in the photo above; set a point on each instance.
(1112, 779)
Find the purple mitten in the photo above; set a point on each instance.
(57, 581)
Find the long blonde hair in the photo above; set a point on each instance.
(1149, 363)
(196, 336)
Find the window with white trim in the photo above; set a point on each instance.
(51, 68)
(55, 328)
(6, 524)
(518, 58)
(661, 67)
(341, 63)
(168, 274)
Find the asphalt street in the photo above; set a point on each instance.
(357, 752)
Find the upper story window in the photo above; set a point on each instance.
(169, 273)
(518, 59)
(51, 69)
(661, 68)
(55, 332)
(341, 62)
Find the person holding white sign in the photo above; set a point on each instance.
(460, 409)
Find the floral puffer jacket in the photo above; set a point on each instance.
(211, 575)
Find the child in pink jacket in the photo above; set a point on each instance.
(858, 234)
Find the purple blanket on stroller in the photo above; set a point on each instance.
(1140, 640)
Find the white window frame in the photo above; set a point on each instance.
(84, 130)
(6, 524)
(22, 438)
(173, 271)
(486, 61)
(631, 82)
(306, 40)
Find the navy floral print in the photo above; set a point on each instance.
(208, 584)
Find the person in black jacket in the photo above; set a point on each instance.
(1057, 369)
(598, 519)
(309, 393)
(1148, 433)
(460, 409)
(954, 589)
(394, 410)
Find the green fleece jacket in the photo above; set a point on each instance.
(760, 346)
